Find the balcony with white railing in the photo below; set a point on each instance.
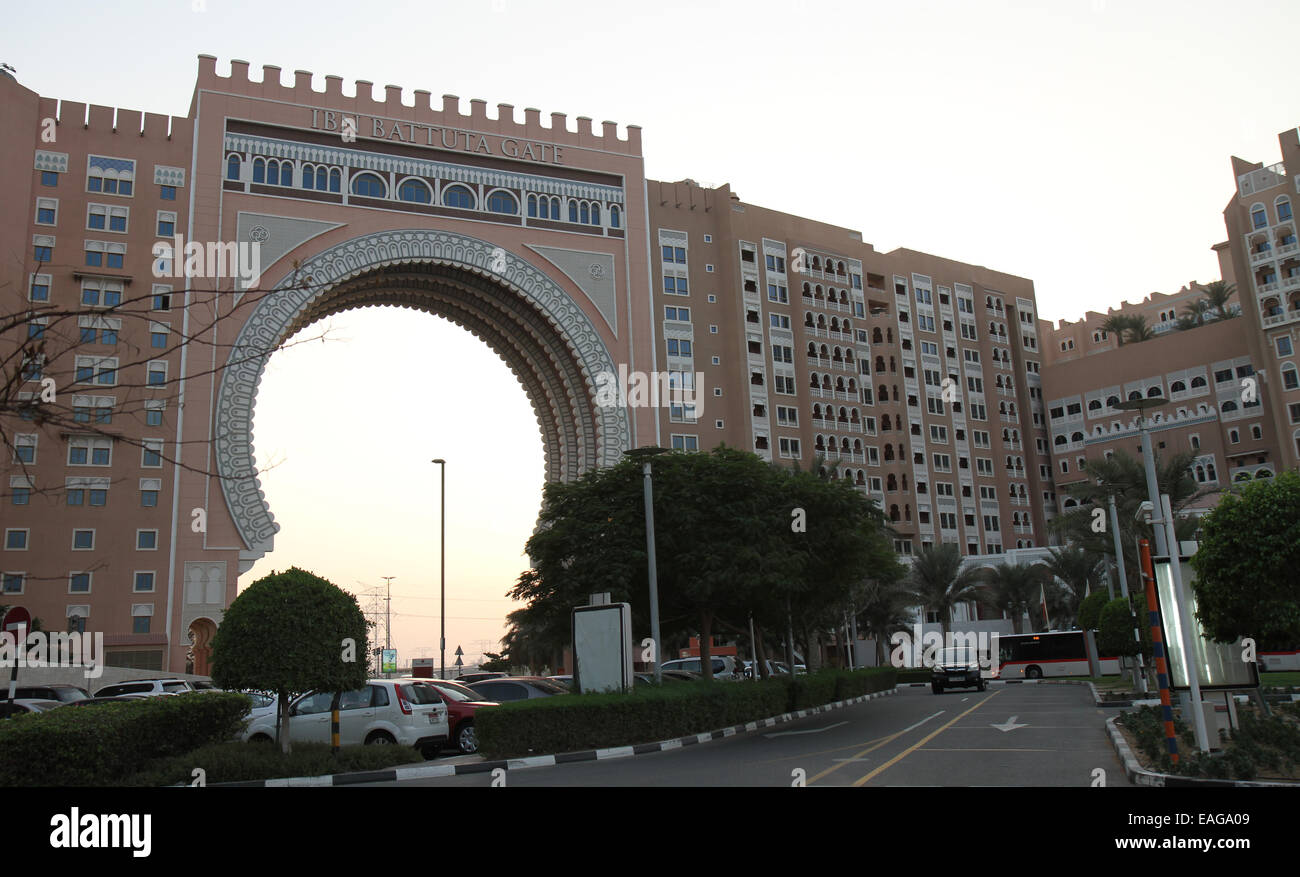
(1262, 288)
(821, 361)
(1259, 257)
(1283, 318)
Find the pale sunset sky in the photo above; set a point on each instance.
(1083, 144)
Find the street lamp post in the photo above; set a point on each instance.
(644, 454)
(442, 558)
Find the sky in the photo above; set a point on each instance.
(1084, 144)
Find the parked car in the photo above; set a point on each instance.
(471, 678)
(62, 692)
(724, 666)
(565, 680)
(667, 676)
(26, 705)
(510, 688)
(147, 687)
(462, 703)
(384, 712)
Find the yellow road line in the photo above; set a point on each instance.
(915, 746)
(875, 744)
(824, 751)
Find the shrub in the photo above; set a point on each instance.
(242, 762)
(102, 745)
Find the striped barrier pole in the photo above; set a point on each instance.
(1158, 648)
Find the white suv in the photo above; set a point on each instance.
(146, 687)
(385, 711)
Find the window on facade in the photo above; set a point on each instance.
(414, 191)
(502, 202)
(369, 186)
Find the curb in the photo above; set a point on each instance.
(1140, 776)
(446, 770)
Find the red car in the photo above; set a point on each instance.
(462, 702)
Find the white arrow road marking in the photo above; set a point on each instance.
(808, 731)
(1010, 724)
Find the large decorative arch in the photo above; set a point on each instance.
(526, 317)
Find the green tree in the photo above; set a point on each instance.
(1117, 325)
(1017, 588)
(938, 582)
(1198, 312)
(1123, 476)
(1248, 565)
(1090, 609)
(1079, 570)
(733, 536)
(1115, 627)
(1138, 330)
(290, 633)
(1217, 295)
(883, 608)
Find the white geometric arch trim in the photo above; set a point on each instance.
(273, 316)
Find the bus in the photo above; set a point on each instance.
(1038, 655)
(1285, 659)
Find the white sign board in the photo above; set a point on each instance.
(1218, 665)
(602, 647)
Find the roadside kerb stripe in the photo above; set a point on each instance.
(428, 771)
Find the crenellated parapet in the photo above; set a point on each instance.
(424, 111)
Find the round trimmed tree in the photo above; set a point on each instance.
(291, 632)
(1248, 565)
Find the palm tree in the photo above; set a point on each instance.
(883, 608)
(1138, 330)
(1117, 325)
(1198, 311)
(938, 583)
(1015, 589)
(1217, 295)
(1122, 475)
(1079, 569)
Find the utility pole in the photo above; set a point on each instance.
(388, 616)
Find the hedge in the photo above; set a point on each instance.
(568, 723)
(103, 745)
(242, 762)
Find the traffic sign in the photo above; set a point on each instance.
(17, 617)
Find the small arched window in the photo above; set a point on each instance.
(1153, 392)
(259, 170)
(614, 217)
(502, 202)
(1198, 381)
(1177, 387)
(336, 180)
(458, 197)
(369, 186)
(415, 191)
(532, 206)
(309, 176)
(573, 211)
(232, 167)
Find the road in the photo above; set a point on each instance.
(1009, 735)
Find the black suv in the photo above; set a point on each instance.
(956, 668)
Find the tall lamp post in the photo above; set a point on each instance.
(1162, 517)
(442, 557)
(644, 455)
